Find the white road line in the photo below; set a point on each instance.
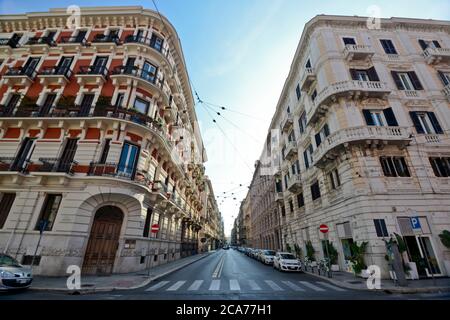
(157, 286)
(215, 285)
(234, 285)
(325, 284)
(176, 286)
(311, 286)
(273, 285)
(195, 285)
(293, 286)
(254, 285)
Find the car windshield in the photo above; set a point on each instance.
(287, 256)
(7, 261)
(269, 253)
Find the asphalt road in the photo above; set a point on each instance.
(230, 275)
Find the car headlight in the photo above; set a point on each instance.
(6, 274)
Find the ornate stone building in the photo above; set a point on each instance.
(100, 147)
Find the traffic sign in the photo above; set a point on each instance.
(155, 228)
(323, 228)
(415, 223)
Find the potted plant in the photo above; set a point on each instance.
(332, 255)
(310, 251)
(288, 247)
(357, 258)
(298, 251)
(445, 239)
(103, 102)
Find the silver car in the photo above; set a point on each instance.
(12, 274)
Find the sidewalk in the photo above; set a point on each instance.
(127, 281)
(349, 281)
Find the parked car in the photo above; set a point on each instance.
(226, 248)
(12, 274)
(256, 253)
(267, 256)
(285, 261)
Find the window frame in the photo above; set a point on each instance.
(49, 211)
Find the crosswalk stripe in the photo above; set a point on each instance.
(273, 285)
(293, 286)
(176, 286)
(311, 286)
(254, 285)
(234, 285)
(325, 284)
(215, 285)
(157, 286)
(195, 285)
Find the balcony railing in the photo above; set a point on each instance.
(93, 70)
(360, 134)
(101, 38)
(42, 40)
(294, 183)
(136, 72)
(446, 92)
(21, 72)
(436, 55)
(287, 122)
(291, 149)
(56, 71)
(349, 89)
(57, 165)
(308, 77)
(146, 41)
(357, 52)
(10, 164)
(9, 42)
(73, 40)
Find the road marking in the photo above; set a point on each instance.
(254, 285)
(215, 285)
(311, 286)
(196, 285)
(234, 285)
(157, 286)
(325, 284)
(176, 286)
(218, 270)
(273, 285)
(293, 286)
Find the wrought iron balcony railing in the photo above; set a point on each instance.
(9, 42)
(56, 71)
(101, 38)
(93, 70)
(20, 72)
(80, 40)
(42, 40)
(57, 165)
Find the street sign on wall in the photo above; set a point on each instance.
(415, 223)
(323, 228)
(155, 228)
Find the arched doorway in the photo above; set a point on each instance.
(103, 241)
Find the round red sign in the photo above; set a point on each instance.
(155, 228)
(323, 228)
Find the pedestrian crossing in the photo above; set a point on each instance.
(243, 285)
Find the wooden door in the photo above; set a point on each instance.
(103, 241)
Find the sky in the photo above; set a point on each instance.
(238, 54)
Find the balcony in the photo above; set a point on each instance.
(54, 76)
(115, 170)
(144, 42)
(10, 164)
(436, 55)
(170, 113)
(354, 52)
(287, 122)
(291, 149)
(105, 40)
(446, 92)
(308, 78)
(92, 75)
(40, 43)
(294, 183)
(366, 135)
(351, 89)
(72, 41)
(148, 81)
(9, 42)
(19, 76)
(57, 165)
(279, 197)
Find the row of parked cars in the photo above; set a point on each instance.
(283, 261)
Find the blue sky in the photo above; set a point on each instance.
(238, 54)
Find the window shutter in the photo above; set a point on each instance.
(434, 166)
(385, 166)
(416, 122)
(368, 117)
(405, 226)
(318, 139)
(423, 44)
(397, 80)
(415, 80)
(405, 166)
(326, 130)
(443, 78)
(435, 123)
(6, 202)
(436, 44)
(390, 117)
(373, 76)
(347, 230)
(378, 227)
(340, 231)
(305, 156)
(353, 74)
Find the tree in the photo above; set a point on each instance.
(445, 238)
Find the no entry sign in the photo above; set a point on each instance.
(323, 228)
(155, 228)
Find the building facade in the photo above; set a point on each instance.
(100, 152)
(362, 145)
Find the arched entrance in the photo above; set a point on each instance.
(103, 241)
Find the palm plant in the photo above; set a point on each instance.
(357, 257)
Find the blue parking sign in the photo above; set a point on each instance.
(415, 223)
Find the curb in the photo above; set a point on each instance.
(109, 289)
(388, 289)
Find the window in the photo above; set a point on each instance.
(283, 211)
(105, 151)
(426, 122)
(424, 44)
(380, 117)
(406, 80)
(156, 42)
(141, 105)
(307, 155)
(380, 227)
(291, 206)
(388, 46)
(364, 74)
(23, 155)
(119, 100)
(286, 177)
(394, 167)
(49, 211)
(302, 123)
(348, 40)
(322, 135)
(314, 95)
(11, 105)
(441, 166)
(149, 72)
(445, 77)
(6, 202)
(291, 136)
(300, 200)
(86, 104)
(315, 190)
(298, 92)
(334, 179)
(308, 64)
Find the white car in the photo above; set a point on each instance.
(267, 256)
(285, 261)
(12, 274)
